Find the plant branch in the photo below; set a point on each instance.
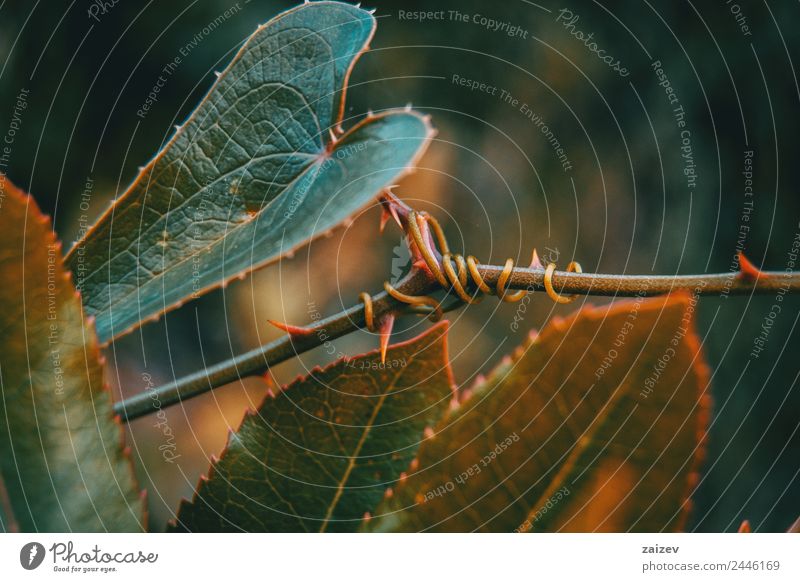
(419, 282)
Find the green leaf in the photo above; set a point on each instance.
(61, 456)
(596, 424)
(322, 453)
(254, 172)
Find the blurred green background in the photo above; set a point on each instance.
(620, 203)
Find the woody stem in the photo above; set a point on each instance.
(419, 282)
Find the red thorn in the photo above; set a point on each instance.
(428, 432)
(745, 527)
(388, 494)
(747, 270)
(291, 329)
(536, 263)
(392, 208)
(385, 216)
(385, 332)
(367, 516)
(414, 465)
(420, 264)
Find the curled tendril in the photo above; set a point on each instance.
(573, 267)
(458, 277)
(369, 316)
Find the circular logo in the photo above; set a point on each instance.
(31, 555)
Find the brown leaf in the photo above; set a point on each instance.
(321, 454)
(596, 424)
(61, 454)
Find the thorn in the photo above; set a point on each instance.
(402, 477)
(428, 432)
(745, 527)
(420, 264)
(333, 136)
(407, 107)
(535, 262)
(385, 216)
(747, 270)
(291, 329)
(385, 332)
(217, 74)
(388, 494)
(414, 465)
(367, 514)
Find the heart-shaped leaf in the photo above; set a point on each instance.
(321, 453)
(256, 171)
(596, 424)
(61, 456)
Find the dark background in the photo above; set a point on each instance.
(491, 175)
